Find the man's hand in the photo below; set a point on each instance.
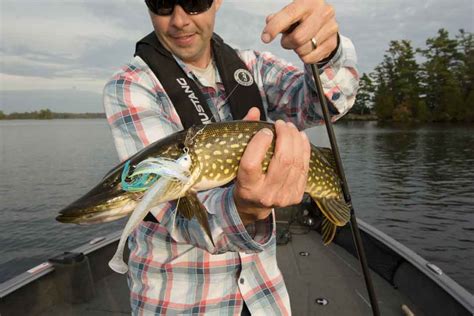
(255, 192)
(299, 22)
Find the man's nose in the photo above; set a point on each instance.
(179, 18)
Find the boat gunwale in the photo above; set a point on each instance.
(452, 288)
(26, 277)
(445, 282)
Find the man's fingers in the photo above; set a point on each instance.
(285, 181)
(302, 33)
(327, 33)
(301, 21)
(281, 21)
(326, 40)
(319, 26)
(303, 179)
(269, 17)
(292, 187)
(250, 168)
(322, 51)
(282, 159)
(252, 115)
(306, 150)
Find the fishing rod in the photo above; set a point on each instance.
(345, 188)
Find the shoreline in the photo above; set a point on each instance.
(52, 116)
(359, 117)
(350, 117)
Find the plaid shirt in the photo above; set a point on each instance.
(174, 266)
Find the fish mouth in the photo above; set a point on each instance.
(80, 216)
(99, 206)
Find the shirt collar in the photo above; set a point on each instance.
(189, 72)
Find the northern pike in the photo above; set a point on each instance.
(199, 158)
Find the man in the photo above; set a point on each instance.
(174, 267)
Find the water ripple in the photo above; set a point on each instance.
(413, 183)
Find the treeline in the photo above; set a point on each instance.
(424, 84)
(46, 114)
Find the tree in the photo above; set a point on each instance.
(465, 73)
(406, 73)
(384, 102)
(441, 87)
(469, 107)
(45, 114)
(365, 99)
(398, 83)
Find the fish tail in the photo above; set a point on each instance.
(328, 231)
(336, 214)
(116, 263)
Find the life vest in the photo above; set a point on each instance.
(185, 95)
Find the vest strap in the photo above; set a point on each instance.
(186, 96)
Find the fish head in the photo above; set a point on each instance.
(107, 201)
(104, 203)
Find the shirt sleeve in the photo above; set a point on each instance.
(136, 110)
(139, 113)
(227, 229)
(291, 93)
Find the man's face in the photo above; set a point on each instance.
(187, 36)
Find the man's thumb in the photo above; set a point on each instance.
(252, 115)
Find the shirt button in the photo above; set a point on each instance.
(242, 281)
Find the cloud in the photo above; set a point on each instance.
(53, 39)
(372, 26)
(58, 100)
(54, 44)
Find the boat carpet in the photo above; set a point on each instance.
(332, 274)
(325, 273)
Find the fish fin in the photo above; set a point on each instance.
(328, 156)
(328, 231)
(335, 210)
(190, 206)
(184, 207)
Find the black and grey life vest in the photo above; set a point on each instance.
(185, 95)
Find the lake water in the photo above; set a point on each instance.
(414, 183)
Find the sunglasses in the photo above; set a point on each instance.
(166, 7)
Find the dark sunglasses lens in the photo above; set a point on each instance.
(196, 6)
(166, 7)
(161, 7)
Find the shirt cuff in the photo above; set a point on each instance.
(251, 238)
(333, 57)
(329, 61)
(335, 79)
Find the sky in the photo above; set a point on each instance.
(58, 54)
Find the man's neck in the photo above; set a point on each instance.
(206, 76)
(200, 65)
(202, 62)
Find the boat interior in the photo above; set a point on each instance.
(321, 280)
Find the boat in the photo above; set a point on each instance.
(321, 280)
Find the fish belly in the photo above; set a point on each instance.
(207, 184)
